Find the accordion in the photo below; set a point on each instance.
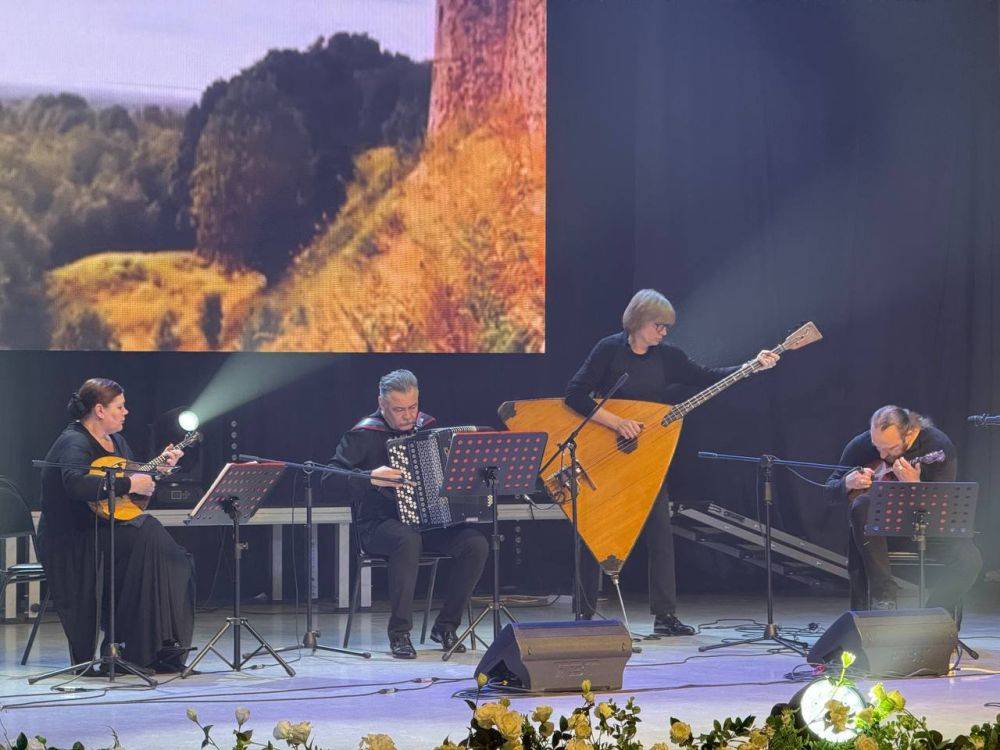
(422, 458)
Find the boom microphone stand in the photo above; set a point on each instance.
(569, 446)
(112, 661)
(310, 639)
(772, 632)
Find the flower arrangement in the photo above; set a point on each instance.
(884, 723)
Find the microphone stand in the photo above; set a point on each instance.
(569, 445)
(112, 661)
(985, 420)
(767, 463)
(310, 639)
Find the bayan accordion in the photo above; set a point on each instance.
(422, 458)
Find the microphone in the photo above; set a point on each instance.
(707, 454)
(985, 420)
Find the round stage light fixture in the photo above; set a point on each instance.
(188, 420)
(810, 707)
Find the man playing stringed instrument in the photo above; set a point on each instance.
(154, 576)
(652, 368)
(899, 445)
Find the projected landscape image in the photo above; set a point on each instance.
(354, 176)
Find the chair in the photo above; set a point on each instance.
(16, 522)
(365, 560)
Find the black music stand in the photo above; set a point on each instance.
(491, 464)
(110, 661)
(310, 639)
(919, 510)
(234, 497)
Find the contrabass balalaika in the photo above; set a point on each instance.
(422, 458)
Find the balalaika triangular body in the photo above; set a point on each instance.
(618, 480)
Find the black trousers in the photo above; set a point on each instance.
(870, 572)
(659, 540)
(403, 545)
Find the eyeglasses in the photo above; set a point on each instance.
(663, 327)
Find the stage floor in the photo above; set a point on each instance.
(345, 697)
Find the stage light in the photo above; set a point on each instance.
(810, 706)
(188, 420)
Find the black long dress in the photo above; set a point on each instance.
(154, 576)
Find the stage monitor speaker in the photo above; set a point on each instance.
(559, 656)
(891, 643)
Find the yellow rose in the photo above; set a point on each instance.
(757, 740)
(242, 716)
(542, 714)
(864, 716)
(864, 742)
(380, 742)
(505, 702)
(193, 715)
(580, 724)
(300, 732)
(605, 711)
(509, 724)
(482, 679)
(589, 697)
(660, 746)
(487, 714)
(513, 744)
(877, 693)
(585, 686)
(680, 732)
(546, 728)
(283, 730)
(897, 699)
(577, 744)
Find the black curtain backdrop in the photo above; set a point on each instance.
(761, 163)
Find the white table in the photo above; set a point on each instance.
(338, 516)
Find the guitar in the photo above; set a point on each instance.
(129, 506)
(882, 471)
(618, 479)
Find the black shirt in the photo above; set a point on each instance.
(649, 374)
(860, 452)
(363, 449)
(66, 492)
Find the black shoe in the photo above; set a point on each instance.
(447, 637)
(670, 625)
(401, 646)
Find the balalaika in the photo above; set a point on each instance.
(422, 458)
(619, 479)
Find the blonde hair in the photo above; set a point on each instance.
(902, 419)
(645, 306)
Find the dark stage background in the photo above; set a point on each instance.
(761, 163)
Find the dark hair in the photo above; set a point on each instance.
(95, 391)
(902, 419)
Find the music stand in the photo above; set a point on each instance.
(491, 464)
(234, 497)
(112, 660)
(918, 510)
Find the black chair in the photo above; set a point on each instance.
(15, 523)
(366, 560)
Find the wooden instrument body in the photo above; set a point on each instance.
(618, 480)
(882, 471)
(127, 507)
